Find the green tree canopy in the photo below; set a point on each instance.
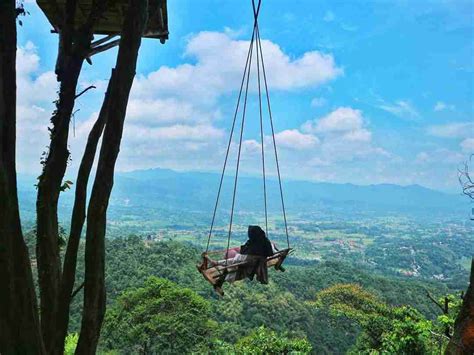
(158, 317)
(265, 341)
(385, 329)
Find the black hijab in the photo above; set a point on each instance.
(258, 243)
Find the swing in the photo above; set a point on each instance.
(217, 266)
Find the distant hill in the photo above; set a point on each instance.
(194, 191)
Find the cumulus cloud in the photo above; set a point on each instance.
(177, 106)
(342, 119)
(33, 87)
(452, 130)
(181, 103)
(219, 62)
(292, 138)
(36, 91)
(341, 135)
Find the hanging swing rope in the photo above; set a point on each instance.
(259, 45)
(244, 111)
(245, 81)
(230, 141)
(262, 142)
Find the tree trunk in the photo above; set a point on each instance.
(77, 223)
(462, 340)
(49, 185)
(74, 46)
(94, 288)
(19, 324)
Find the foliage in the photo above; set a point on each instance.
(158, 317)
(446, 320)
(265, 341)
(352, 301)
(71, 343)
(385, 328)
(282, 306)
(410, 333)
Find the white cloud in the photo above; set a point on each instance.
(467, 145)
(172, 111)
(33, 88)
(318, 102)
(342, 119)
(175, 132)
(154, 112)
(439, 156)
(358, 135)
(292, 138)
(441, 106)
(167, 103)
(401, 108)
(452, 130)
(36, 91)
(251, 147)
(219, 65)
(340, 136)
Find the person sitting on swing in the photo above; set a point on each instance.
(256, 250)
(257, 244)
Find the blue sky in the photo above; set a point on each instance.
(362, 92)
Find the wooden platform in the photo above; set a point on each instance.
(112, 20)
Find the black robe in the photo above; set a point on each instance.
(257, 244)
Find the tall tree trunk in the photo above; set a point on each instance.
(94, 289)
(19, 324)
(462, 341)
(77, 223)
(49, 186)
(74, 46)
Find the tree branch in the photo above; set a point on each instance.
(465, 179)
(76, 291)
(85, 90)
(435, 302)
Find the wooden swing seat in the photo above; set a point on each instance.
(215, 273)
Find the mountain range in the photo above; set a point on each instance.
(196, 191)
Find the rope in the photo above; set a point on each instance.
(262, 143)
(245, 79)
(229, 143)
(259, 45)
(240, 146)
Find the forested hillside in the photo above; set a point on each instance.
(286, 306)
(357, 262)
